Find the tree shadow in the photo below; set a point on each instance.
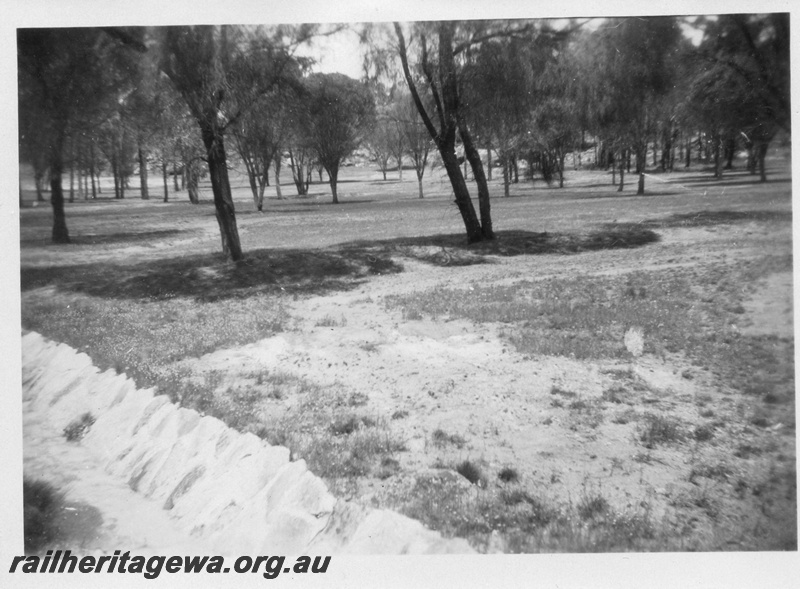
(209, 277)
(452, 249)
(712, 218)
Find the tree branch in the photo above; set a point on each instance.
(412, 87)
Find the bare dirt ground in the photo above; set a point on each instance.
(423, 375)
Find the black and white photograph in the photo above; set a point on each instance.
(398, 294)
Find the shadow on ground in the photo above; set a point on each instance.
(209, 277)
(452, 249)
(711, 218)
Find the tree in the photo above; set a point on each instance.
(380, 142)
(64, 74)
(219, 72)
(439, 76)
(556, 116)
(339, 112)
(629, 61)
(750, 53)
(417, 140)
(260, 137)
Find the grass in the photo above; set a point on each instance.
(680, 311)
(656, 430)
(441, 439)
(143, 338)
(529, 521)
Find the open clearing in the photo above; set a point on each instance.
(612, 373)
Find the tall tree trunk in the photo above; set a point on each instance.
(641, 157)
(622, 162)
(761, 154)
(251, 178)
(175, 184)
(213, 140)
(333, 174)
(72, 183)
(561, 157)
(143, 174)
(419, 183)
(60, 233)
(92, 169)
(717, 159)
(165, 177)
(277, 161)
(489, 161)
(730, 152)
(191, 176)
(115, 174)
(506, 177)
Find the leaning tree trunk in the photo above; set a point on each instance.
(474, 158)
(60, 233)
(463, 201)
(213, 140)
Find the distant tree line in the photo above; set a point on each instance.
(185, 101)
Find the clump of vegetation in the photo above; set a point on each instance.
(591, 506)
(655, 430)
(556, 390)
(441, 439)
(78, 428)
(703, 433)
(472, 472)
(42, 504)
(508, 475)
(718, 471)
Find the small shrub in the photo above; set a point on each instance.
(719, 471)
(400, 414)
(344, 426)
(327, 321)
(77, 428)
(592, 506)
(508, 475)
(389, 467)
(703, 433)
(441, 439)
(658, 429)
(470, 471)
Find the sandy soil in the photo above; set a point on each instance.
(464, 379)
